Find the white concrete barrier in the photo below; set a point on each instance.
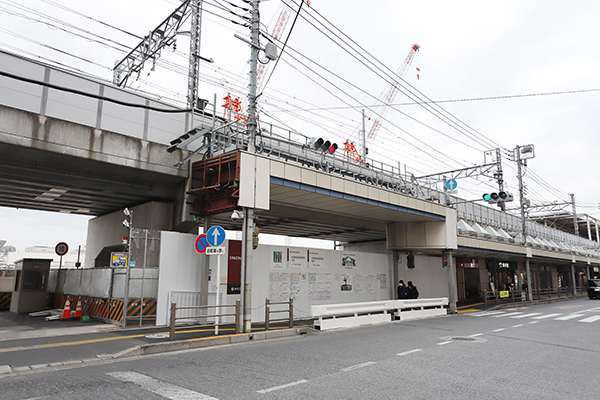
(420, 308)
(346, 315)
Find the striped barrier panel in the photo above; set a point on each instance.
(5, 300)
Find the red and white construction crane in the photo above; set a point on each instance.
(383, 108)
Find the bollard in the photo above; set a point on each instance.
(267, 311)
(291, 312)
(237, 316)
(173, 313)
(485, 298)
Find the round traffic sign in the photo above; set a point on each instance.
(61, 249)
(215, 236)
(201, 243)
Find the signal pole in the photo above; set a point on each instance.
(254, 49)
(194, 66)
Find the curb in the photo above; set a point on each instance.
(165, 347)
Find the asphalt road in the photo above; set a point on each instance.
(546, 351)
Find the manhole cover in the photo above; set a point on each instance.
(464, 339)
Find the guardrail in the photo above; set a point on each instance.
(217, 316)
(268, 312)
(538, 294)
(346, 315)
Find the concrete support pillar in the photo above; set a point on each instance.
(529, 283)
(246, 287)
(452, 283)
(574, 280)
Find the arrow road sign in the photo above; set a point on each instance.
(201, 243)
(451, 184)
(215, 236)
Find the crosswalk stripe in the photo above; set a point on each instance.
(568, 317)
(527, 315)
(486, 314)
(590, 319)
(547, 316)
(507, 315)
(159, 387)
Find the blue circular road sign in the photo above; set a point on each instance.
(451, 184)
(215, 236)
(201, 243)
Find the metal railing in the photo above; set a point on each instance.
(268, 312)
(217, 316)
(538, 294)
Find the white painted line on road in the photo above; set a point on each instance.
(517, 326)
(158, 387)
(507, 315)
(287, 385)
(443, 343)
(534, 322)
(408, 352)
(568, 317)
(477, 334)
(547, 316)
(486, 313)
(595, 309)
(527, 315)
(358, 366)
(590, 319)
(498, 330)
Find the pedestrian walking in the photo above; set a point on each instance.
(402, 290)
(413, 293)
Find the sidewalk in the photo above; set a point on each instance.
(32, 343)
(22, 326)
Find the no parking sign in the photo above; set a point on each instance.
(201, 244)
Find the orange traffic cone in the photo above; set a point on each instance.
(67, 310)
(78, 312)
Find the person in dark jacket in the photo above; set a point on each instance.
(402, 290)
(413, 293)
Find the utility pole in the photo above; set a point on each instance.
(194, 66)
(364, 139)
(575, 224)
(521, 197)
(500, 178)
(254, 49)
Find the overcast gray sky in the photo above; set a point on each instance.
(506, 73)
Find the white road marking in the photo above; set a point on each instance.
(527, 315)
(507, 315)
(159, 387)
(590, 319)
(358, 366)
(568, 317)
(486, 314)
(408, 352)
(498, 330)
(595, 309)
(443, 343)
(547, 316)
(287, 385)
(477, 334)
(534, 322)
(517, 326)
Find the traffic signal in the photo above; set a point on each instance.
(410, 261)
(500, 197)
(445, 261)
(323, 145)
